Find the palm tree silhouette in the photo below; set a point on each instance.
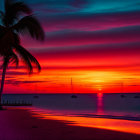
(14, 23)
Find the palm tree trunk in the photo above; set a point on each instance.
(5, 64)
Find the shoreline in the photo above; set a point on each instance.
(18, 123)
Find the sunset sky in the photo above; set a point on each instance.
(94, 42)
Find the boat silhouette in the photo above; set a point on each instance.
(36, 96)
(72, 96)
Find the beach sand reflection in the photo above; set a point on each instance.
(121, 125)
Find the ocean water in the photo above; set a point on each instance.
(104, 111)
(84, 104)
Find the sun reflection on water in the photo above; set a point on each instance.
(99, 103)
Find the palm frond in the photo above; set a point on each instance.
(7, 3)
(16, 38)
(1, 15)
(7, 39)
(12, 11)
(30, 24)
(14, 59)
(27, 58)
(10, 58)
(2, 31)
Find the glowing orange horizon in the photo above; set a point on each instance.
(58, 80)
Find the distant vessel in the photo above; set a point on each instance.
(122, 95)
(36, 89)
(36, 96)
(137, 96)
(73, 96)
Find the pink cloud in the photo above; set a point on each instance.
(75, 38)
(91, 22)
(90, 55)
(101, 37)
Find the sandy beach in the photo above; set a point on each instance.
(19, 124)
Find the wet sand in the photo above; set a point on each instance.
(19, 124)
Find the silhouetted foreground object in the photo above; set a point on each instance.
(16, 103)
(9, 36)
